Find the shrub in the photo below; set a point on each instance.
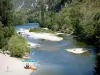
(17, 46)
(39, 30)
(61, 35)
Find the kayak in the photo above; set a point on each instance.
(30, 68)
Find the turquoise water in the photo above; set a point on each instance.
(25, 26)
(54, 59)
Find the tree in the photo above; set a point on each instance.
(6, 28)
(1, 39)
(5, 12)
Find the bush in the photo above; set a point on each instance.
(1, 39)
(5, 33)
(17, 46)
(61, 35)
(39, 30)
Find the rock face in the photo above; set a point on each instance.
(23, 4)
(29, 4)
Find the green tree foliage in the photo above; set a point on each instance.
(82, 17)
(1, 39)
(6, 28)
(19, 18)
(17, 46)
(5, 34)
(40, 30)
(5, 12)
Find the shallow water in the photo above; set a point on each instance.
(55, 60)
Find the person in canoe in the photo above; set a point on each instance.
(27, 66)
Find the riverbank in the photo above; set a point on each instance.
(43, 36)
(12, 66)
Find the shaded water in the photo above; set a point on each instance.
(25, 26)
(55, 60)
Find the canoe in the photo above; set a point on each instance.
(31, 68)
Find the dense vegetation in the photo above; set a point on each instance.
(6, 28)
(40, 30)
(17, 46)
(80, 17)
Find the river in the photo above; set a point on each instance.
(54, 59)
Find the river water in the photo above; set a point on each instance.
(54, 59)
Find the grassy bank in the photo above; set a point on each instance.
(41, 30)
(46, 30)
